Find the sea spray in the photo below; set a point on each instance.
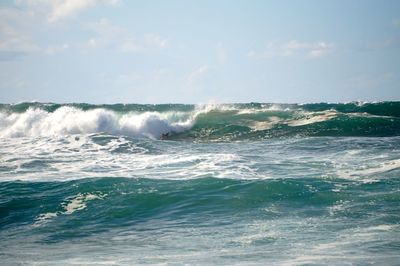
(70, 120)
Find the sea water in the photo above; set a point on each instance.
(288, 184)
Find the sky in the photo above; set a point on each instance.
(208, 51)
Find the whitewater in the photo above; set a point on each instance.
(255, 183)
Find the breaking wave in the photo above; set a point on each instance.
(70, 120)
(204, 123)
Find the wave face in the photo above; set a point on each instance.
(203, 123)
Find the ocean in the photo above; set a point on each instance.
(227, 184)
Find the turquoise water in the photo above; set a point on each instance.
(315, 184)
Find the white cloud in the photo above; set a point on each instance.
(320, 49)
(19, 23)
(53, 49)
(12, 40)
(15, 31)
(62, 9)
(155, 40)
(57, 10)
(293, 47)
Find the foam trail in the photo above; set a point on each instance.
(312, 118)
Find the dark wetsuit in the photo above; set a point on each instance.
(164, 136)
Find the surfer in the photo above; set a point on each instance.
(164, 136)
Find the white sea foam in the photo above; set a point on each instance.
(44, 218)
(71, 205)
(70, 157)
(312, 118)
(272, 108)
(80, 156)
(79, 202)
(367, 115)
(370, 171)
(264, 125)
(69, 120)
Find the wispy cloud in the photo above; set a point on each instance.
(320, 49)
(15, 34)
(197, 74)
(294, 47)
(65, 8)
(57, 10)
(11, 39)
(54, 49)
(110, 36)
(19, 23)
(154, 40)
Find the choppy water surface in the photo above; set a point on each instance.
(233, 184)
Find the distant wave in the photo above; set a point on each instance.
(224, 122)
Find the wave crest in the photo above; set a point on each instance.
(70, 120)
(211, 122)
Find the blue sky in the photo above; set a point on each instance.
(111, 51)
